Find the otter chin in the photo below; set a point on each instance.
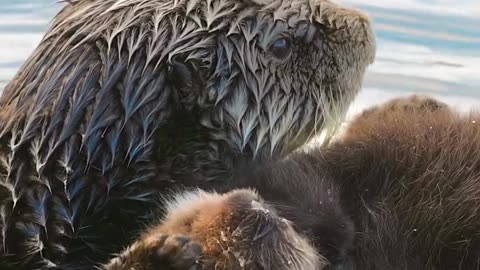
(125, 99)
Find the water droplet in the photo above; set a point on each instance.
(223, 236)
(258, 206)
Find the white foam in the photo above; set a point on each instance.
(7, 73)
(23, 20)
(16, 47)
(413, 60)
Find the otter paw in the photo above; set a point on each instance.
(177, 252)
(172, 252)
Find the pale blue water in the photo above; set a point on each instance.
(424, 46)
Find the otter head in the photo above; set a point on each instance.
(205, 82)
(263, 76)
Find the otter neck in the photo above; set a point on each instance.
(184, 158)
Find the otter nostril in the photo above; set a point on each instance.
(301, 29)
(309, 34)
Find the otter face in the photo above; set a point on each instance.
(279, 70)
(254, 78)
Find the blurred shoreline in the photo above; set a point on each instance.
(429, 47)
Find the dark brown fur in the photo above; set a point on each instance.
(408, 174)
(400, 190)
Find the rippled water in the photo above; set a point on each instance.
(424, 46)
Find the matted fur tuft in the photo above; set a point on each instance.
(123, 99)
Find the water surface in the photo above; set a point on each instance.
(424, 46)
(427, 47)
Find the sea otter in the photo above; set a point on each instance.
(400, 190)
(126, 99)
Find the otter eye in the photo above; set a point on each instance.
(281, 48)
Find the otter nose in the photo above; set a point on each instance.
(334, 17)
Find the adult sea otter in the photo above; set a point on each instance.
(124, 99)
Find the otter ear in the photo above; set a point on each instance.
(185, 76)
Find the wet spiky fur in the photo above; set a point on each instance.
(95, 125)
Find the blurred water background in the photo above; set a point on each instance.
(424, 46)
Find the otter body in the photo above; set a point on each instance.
(400, 190)
(410, 175)
(125, 99)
